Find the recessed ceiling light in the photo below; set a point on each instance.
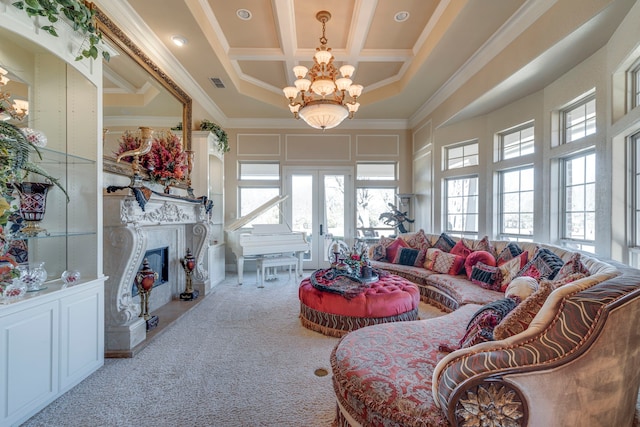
(179, 40)
(401, 16)
(244, 14)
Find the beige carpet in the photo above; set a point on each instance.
(239, 358)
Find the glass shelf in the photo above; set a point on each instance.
(50, 156)
(53, 234)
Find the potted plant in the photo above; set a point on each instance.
(223, 142)
(16, 146)
(80, 14)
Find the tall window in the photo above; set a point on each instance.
(634, 79)
(579, 119)
(635, 199)
(579, 228)
(376, 185)
(461, 206)
(516, 204)
(257, 184)
(516, 142)
(461, 155)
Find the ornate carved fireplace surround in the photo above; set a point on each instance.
(129, 232)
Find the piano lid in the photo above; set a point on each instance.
(244, 220)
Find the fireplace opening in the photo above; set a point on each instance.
(159, 262)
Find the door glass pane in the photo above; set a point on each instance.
(334, 205)
(302, 207)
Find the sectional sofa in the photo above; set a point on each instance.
(564, 354)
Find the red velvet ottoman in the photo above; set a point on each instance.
(390, 299)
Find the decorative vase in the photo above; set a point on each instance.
(32, 275)
(145, 279)
(33, 202)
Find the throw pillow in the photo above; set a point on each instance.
(509, 252)
(485, 276)
(430, 258)
(393, 248)
(460, 249)
(445, 243)
(574, 265)
(544, 265)
(447, 263)
(484, 245)
(520, 317)
(476, 257)
(521, 288)
(386, 241)
(409, 256)
(480, 327)
(511, 268)
(378, 252)
(417, 240)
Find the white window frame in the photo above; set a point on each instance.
(258, 183)
(501, 226)
(571, 242)
(581, 103)
(472, 234)
(470, 159)
(633, 81)
(518, 129)
(634, 200)
(377, 184)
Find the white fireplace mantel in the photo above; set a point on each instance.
(129, 232)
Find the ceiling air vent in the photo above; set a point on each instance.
(217, 82)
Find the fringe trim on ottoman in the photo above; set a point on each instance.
(335, 325)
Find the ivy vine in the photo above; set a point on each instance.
(223, 141)
(79, 13)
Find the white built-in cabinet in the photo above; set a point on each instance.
(208, 179)
(52, 339)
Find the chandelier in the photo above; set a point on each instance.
(321, 100)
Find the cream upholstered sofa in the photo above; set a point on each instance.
(576, 364)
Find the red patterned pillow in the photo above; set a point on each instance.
(520, 317)
(393, 248)
(509, 252)
(482, 324)
(430, 258)
(511, 268)
(486, 276)
(447, 263)
(410, 256)
(544, 265)
(476, 257)
(484, 245)
(574, 265)
(386, 241)
(460, 249)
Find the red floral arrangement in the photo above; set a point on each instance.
(167, 160)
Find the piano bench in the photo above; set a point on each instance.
(262, 263)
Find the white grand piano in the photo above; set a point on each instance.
(264, 239)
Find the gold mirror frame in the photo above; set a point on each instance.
(111, 31)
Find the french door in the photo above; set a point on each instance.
(321, 205)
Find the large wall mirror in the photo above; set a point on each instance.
(136, 93)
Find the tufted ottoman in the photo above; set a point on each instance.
(390, 299)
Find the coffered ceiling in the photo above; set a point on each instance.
(407, 67)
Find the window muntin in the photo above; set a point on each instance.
(376, 171)
(461, 155)
(371, 203)
(259, 171)
(516, 143)
(579, 120)
(461, 206)
(516, 203)
(579, 196)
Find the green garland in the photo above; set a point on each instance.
(80, 13)
(223, 141)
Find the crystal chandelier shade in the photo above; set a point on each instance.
(327, 96)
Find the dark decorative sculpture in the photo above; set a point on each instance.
(396, 218)
(189, 265)
(145, 279)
